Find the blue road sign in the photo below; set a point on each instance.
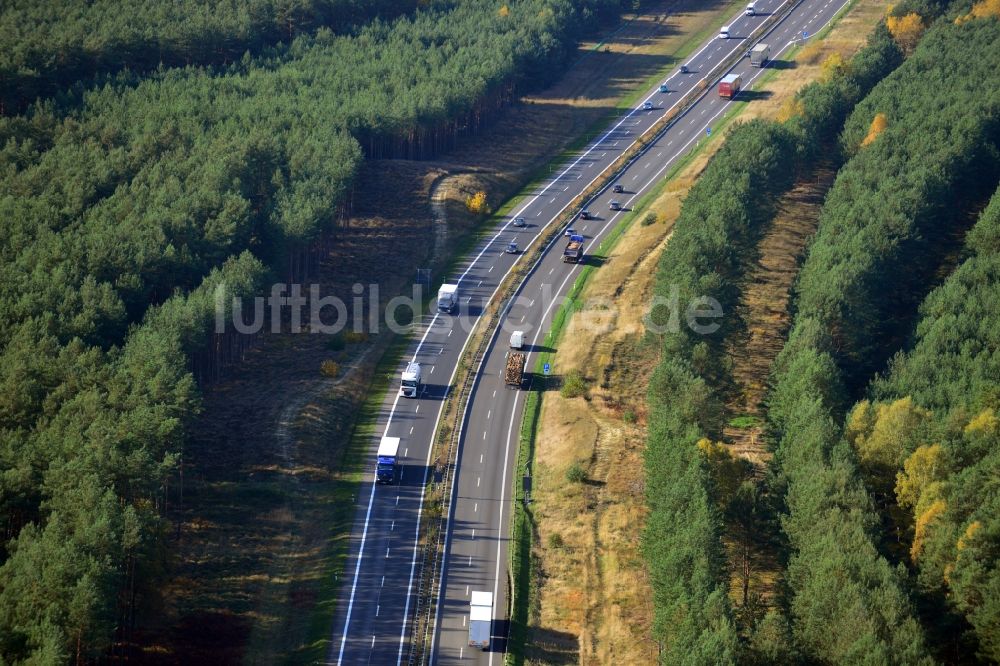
(708, 131)
(546, 368)
(805, 35)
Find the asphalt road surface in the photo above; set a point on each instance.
(376, 602)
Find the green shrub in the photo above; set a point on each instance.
(575, 473)
(745, 421)
(573, 386)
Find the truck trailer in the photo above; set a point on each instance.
(388, 450)
(513, 374)
(409, 384)
(759, 55)
(574, 249)
(448, 298)
(480, 620)
(730, 85)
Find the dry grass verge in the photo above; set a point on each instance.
(594, 602)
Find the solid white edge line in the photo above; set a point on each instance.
(371, 499)
(357, 569)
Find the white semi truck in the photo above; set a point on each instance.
(409, 384)
(480, 620)
(448, 298)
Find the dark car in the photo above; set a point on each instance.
(617, 188)
(585, 214)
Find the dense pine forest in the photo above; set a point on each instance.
(883, 515)
(54, 43)
(132, 188)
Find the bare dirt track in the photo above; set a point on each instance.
(764, 311)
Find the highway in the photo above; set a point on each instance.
(376, 602)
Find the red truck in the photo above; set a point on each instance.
(730, 85)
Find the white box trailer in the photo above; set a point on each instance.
(388, 451)
(759, 55)
(448, 298)
(480, 620)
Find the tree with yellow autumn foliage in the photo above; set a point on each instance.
(925, 467)
(476, 203)
(884, 435)
(923, 525)
(906, 30)
(984, 423)
(879, 125)
(791, 108)
(980, 10)
(833, 66)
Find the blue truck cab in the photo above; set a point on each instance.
(388, 451)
